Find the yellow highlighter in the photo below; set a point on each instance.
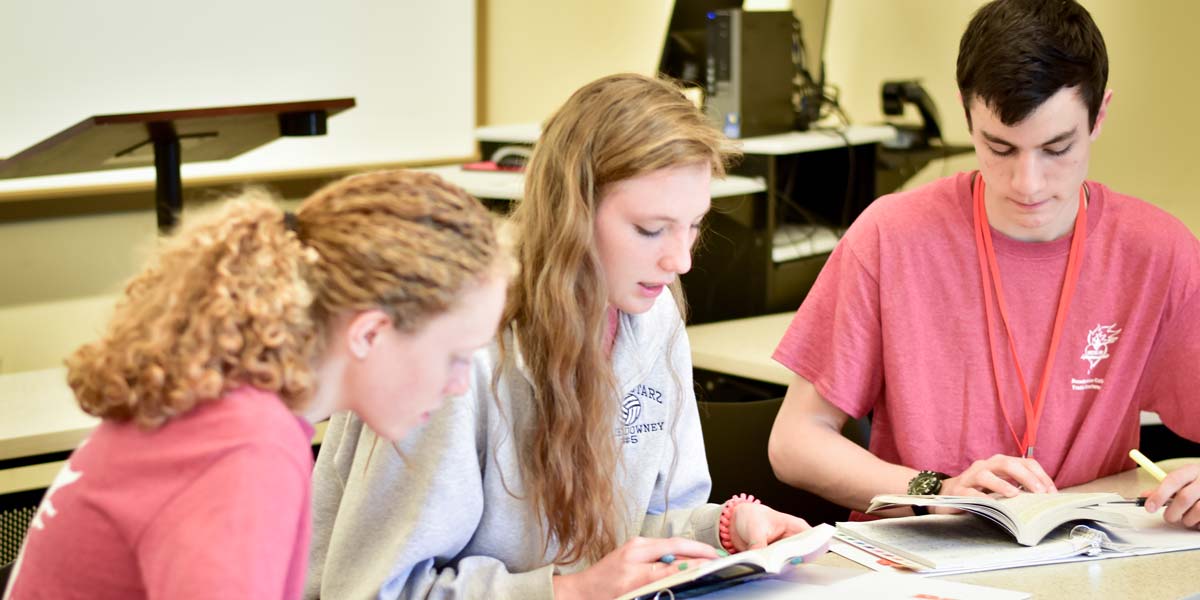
(1147, 464)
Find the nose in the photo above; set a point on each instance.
(677, 255)
(1028, 176)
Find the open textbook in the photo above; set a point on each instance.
(1028, 517)
(743, 566)
(950, 544)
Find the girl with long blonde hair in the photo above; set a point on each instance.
(576, 461)
(248, 320)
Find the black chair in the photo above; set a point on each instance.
(5, 572)
(16, 512)
(735, 441)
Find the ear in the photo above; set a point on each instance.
(363, 331)
(1101, 114)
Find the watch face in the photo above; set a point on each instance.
(924, 484)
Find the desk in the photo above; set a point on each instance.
(1169, 575)
(40, 414)
(506, 185)
(792, 142)
(158, 138)
(40, 423)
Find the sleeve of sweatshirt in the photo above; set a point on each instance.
(392, 522)
(678, 506)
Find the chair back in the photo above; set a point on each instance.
(735, 441)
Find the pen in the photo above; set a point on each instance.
(1135, 501)
(1147, 464)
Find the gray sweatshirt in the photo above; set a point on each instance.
(439, 522)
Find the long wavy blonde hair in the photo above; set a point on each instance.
(612, 129)
(242, 295)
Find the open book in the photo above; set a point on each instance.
(1028, 517)
(740, 567)
(964, 543)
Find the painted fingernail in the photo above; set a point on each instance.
(682, 566)
(722, 553)
(667, 558)
(797, 560)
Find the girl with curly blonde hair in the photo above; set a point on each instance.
(576, 461)
(247, 324)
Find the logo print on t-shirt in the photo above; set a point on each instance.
(64, 478)
(634, 407)
(631, 409)
(1098, 340)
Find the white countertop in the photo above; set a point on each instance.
(509, 185)
(792, 142)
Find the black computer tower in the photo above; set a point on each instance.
(750, 72)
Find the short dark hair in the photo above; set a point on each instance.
(1016, 54)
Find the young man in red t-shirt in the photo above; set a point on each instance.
(1004, 327)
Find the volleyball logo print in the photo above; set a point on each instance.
(631, 409)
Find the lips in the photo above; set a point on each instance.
(651, 290)
(1028, 206)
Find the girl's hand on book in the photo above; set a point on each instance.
(1005, 475)
(755, 525)
(632, 565)
(1182, 488)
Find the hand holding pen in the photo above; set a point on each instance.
(1177, 491)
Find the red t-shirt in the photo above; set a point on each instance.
(895, 323)
(214, 504)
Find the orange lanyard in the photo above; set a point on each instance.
(987, 265)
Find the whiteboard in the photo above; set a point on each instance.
(409, 64)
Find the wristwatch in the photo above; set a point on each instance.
(926, 483)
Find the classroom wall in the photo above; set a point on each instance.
(536, 52)
(60, 274)
(1147, 143)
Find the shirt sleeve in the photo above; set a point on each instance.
(392, 522)
(1168, 387)
(231, 533)
(678, 504)
(835, 339)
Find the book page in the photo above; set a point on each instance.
(955, 541)
(1028, 516)
(771, 559)
(1148, 532)
(1026, 508)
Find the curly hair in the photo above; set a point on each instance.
(610, 130)
(236, 298)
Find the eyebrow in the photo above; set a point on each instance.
(1066, 135)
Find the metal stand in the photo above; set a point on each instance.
(168, 187)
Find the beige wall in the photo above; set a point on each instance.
(1147, 143)
(61, 277)
(537, 51)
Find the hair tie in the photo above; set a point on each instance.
(290, 223)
